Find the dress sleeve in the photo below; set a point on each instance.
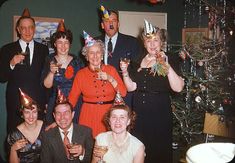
(75, 90)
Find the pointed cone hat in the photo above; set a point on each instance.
(61, 98)
(26, 101)
(118, 99)
(61, 26)
(26, 13)
(105, 14)
(89, 41)
(149, 29)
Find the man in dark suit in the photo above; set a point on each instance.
(123, 46)
(21, 71)
(54, 147)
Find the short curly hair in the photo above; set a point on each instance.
(131, 115)
(67, 34)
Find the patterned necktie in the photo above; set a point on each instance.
(110, 47)
(27, 57)
(66, 142)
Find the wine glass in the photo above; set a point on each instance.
(22, 62)
(25, 148)
(71, 155)
(58, 65)
(103, 150)
(97, 70)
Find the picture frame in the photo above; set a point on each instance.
(45, 27)
(194, 35)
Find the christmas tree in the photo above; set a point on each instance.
(209, 77)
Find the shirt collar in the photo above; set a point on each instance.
(114, 38)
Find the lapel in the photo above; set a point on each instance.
(119, 44)
(58, 143)
(77, 136)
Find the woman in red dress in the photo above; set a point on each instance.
(98, 84)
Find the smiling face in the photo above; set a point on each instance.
(30, 116)
(62, 46)
(153, 44)
(63, 116)
(94, 55)
(110, 25)
(119, 121)
(26, 29)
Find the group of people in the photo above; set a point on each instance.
(93, 93)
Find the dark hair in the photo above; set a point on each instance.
(64, 103)
(18, 23)
(31, 107)
(67, 34)
(131, 114)
(112, 12)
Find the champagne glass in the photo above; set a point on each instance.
(97, 70)
(58, 65)
(103, 150)
(25, 148)
(71, 155)
(22, 62)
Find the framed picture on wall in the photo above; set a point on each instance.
(194, 35)
(45, 27)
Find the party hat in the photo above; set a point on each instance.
(61, 26)
(105, 12)
(26, 101)
(118, 99)
(61, 98)
(149, 29)
(26, 13)
(89, 41)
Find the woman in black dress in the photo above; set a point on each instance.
(25, 141)
(152, 79)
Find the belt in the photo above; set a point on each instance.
(151, 92)
(100, 102)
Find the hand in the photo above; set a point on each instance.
(102, 75)
(17, 59)
(76, 150)
(53, 67)
(99, 151)
(53, 125)
(124, 66)
(19, 144)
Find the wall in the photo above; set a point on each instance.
(78, 15)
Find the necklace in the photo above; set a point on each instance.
(119, 147)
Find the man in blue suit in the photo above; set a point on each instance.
(117, 45)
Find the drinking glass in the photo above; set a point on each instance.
(22, 62)
(71, 155)
(103, 150)
(58, 65)
(97, 70)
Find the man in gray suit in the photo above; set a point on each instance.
(54, 148)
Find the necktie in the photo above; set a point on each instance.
(66, 142)
(110, 47)
(27, 57)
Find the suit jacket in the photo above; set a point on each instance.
(28, 78)
(126, 47)
(53, 148)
